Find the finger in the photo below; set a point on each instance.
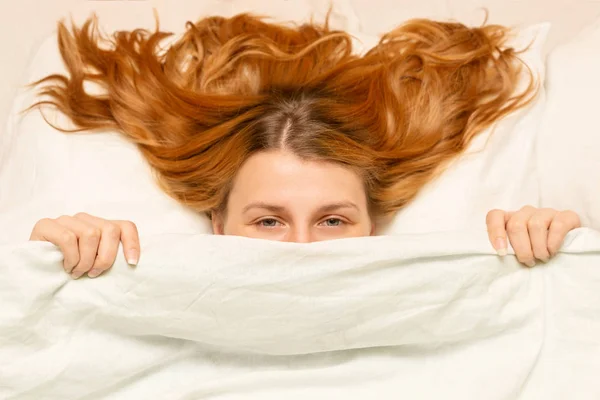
(48, 230)
(108, 249)
(117, 230)
(563, 223)
(88, 236)
(518, 235)
(496, 228)
(538, 226)
(109, 243)
(131, 241)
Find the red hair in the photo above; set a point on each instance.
(230, 87)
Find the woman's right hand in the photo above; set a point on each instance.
(89, 244)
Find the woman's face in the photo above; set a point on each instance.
(277, 196)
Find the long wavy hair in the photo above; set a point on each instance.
(231, 87)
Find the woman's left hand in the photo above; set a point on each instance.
(534, 233)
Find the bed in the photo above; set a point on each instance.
(427, 310)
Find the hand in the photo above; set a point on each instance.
(533, 232)
(89, 244)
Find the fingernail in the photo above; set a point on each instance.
(132, 257)
(94, 273)
(530, 264)
(76, 275)
(501, 247)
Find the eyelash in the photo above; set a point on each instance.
(259, 222)
(341, 222)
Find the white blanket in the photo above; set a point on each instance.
(431, 316)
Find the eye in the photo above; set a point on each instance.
(332, 222)
(268, 223)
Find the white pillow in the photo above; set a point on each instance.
(45, 173)
(497, 171)
(569, 141)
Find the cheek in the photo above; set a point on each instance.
(367, 228)
(231, 226)
(234, 225)
(363, 229)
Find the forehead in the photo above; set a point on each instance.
(281, 176)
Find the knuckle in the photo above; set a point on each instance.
(570, 216)
(92, 234)
(68, 238)
(536, 224)
(38, 225)
(515, 226)
(528, 208)
(81, 215)
(559, 224)
(112, 231)
(63, 218)
(129, 225)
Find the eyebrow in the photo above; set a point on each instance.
(279, 209)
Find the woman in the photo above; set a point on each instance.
(282, 133)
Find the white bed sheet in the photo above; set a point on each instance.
(432, 316)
